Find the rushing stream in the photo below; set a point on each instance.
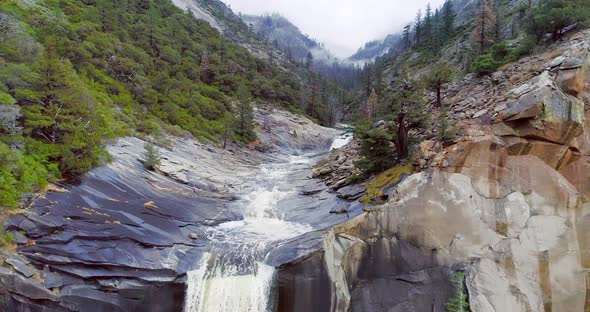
(232, 276)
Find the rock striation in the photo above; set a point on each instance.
(122, 238)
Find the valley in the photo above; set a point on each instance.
(179, 155)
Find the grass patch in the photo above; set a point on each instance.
(376, 185)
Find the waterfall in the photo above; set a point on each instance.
(232, 277)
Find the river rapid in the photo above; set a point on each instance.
(232, 275)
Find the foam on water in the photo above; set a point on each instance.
(233, 277)
(341, 140)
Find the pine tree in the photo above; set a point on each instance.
(151, 156)
(406, 37)
(407, 111)
(552, 16)
(418, 28)
(309, 60)
(372, 107)
(459, 301)
(438, 76)
(484, 34)
(377, 154)
(61, 113)
(205, 69)
(448, 20)
(245, 115)
(427, 27)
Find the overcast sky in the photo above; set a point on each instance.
(343, 25)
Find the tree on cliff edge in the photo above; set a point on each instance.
(407, 112)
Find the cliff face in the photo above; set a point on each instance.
(507, 203)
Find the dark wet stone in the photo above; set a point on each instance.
(19, 238)
(51, 280)
(304, 285)
(28, 288)
(20, 265)
(352, 192)
(312, 190)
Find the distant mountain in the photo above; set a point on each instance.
(373, 49)
(287, 37)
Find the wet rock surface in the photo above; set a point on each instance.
(122, 238)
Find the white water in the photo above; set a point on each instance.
(233, 277)
(341, 140)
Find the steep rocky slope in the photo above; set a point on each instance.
(506, 204)
(287, 37)
(376, 48)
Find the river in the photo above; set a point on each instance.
(233, 275)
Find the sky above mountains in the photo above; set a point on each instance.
(342, 25)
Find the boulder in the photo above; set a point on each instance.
(352, 192)
(571, 80)
(578, 174)
(546, 113)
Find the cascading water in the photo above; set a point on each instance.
(232, 276)
(343, 139)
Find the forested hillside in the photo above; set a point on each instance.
(404, 88)
(74, 73)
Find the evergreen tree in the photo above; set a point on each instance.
(151, 156)
(448, 20)
(245, 117)
(61, 113)
(484, 34)
(552, 16)
(428, 27)
(459, 301)
(438, 76)
(205, 69)
(418, 28)
(309, 60)
(406, 37)
(375, 149)
(372, 107)
(407, 112)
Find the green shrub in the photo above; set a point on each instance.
(149, 127)
(525, 47)
(484, 65)
(6, 99)
(151, 155)
(6, 240)
(376, 150)
(19, 175)
(500, 51)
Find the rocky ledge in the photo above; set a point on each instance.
(507, 204)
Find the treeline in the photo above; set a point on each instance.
(431, 30)
(76, 72)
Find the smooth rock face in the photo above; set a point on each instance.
(122, 238)
(532, 233)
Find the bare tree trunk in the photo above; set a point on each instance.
(401, 140)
